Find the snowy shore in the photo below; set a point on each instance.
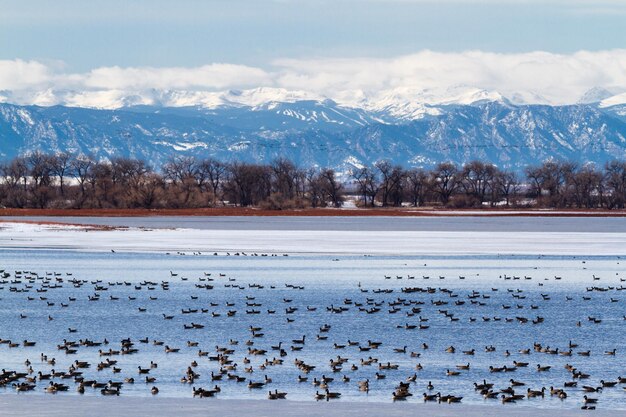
(36, 236)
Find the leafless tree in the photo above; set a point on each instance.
(391, 178)
(367, 184)
(445, 181)
(506, 185)
(213, 173)
(615, 179)
(60, 165)
(477, 180)
(333, 188)
(417, 184)
(80, 168)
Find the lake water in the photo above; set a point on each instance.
(488, 287)
(339, 223)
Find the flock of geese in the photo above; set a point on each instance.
(249, 361)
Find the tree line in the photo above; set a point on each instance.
(39, 180)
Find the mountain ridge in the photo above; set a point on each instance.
(324, 133)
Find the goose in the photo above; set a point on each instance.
(109, 391)
(430, 397)
(276, 395)
(299, 341)
(588, 400)
(154, 390)
(451, 399)
(330, 395)
(534, 393)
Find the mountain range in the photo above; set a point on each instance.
(260, 126)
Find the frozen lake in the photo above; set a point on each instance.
(477, 288)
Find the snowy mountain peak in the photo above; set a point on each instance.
(614, 100)
(595, 95)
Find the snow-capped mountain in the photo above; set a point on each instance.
(260, 125)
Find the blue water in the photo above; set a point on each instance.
(327, 280)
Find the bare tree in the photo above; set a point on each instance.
(80, 168)
(366, 183)
(248, 184)
(15, 176)
(585, 186)
(40, 172)
(477, 180)
(60, 165)
(213, 172)
(615, 179)
(390, 183)
(284, 177)
(417, 184)
(506, 185)
(332, 187)
(445, 181)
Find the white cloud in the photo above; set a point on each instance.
(426, 77)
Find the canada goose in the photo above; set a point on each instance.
(330, 395)
(299, 341)
(534, 393)
(588, 400)
(154, 390)
(109, 391)
(430, 397)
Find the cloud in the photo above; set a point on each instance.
(427, 77)
(560, 79)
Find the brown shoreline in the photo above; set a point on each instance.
(319, 212)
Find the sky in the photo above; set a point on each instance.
(131, 46)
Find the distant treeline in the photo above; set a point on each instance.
(41, 180)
